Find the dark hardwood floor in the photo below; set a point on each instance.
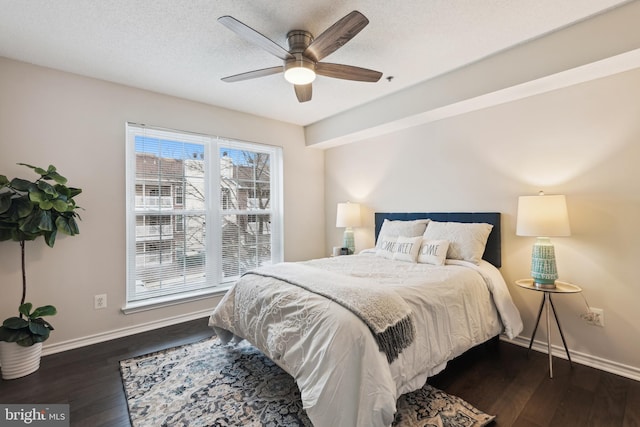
(88, 378)
(500, 379)
(507, 381)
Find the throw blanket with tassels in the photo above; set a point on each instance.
(386, 314)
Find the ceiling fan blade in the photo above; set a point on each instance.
(347, 72)
(336, 36)
(253, 74)
(303, 92)
(254, 37)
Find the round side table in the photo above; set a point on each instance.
(561, 288)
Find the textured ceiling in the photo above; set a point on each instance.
(178, 48)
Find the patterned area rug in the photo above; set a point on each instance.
(205, 384)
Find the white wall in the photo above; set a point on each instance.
(77, 124)
(582, 141)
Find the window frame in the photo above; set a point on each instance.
(214, 282)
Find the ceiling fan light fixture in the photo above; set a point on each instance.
(299, 75)
(299, 71)
(302, 61)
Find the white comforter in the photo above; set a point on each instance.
(344, 379)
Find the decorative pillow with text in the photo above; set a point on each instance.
(386, 246)
(407, 248)
(433, 252)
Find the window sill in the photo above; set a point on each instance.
(166, 301)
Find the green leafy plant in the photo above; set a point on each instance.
(28, 210)
(30, 329)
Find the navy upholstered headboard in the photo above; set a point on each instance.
(492, 252)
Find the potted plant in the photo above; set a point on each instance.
(28, 210)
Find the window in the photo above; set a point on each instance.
(201, 211)
(179, 199)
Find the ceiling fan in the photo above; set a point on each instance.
(302, 60)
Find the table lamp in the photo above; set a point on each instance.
(348, 216)
(543, 217)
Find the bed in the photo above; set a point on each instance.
(358, 331)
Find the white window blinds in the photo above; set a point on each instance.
(201, 211)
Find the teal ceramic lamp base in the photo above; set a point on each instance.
(543, 264)
(349, 241)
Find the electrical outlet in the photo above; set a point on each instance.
(100, 301)
(595, 316)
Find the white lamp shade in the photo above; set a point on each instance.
(348, 215)
(543, 216)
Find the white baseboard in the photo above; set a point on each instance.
(123, 332)
(610, 366)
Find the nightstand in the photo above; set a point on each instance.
(561, 288)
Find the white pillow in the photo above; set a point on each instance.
(403, 228)
(433, 251)
(466, 240)
(386, 246)
(407, 248)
